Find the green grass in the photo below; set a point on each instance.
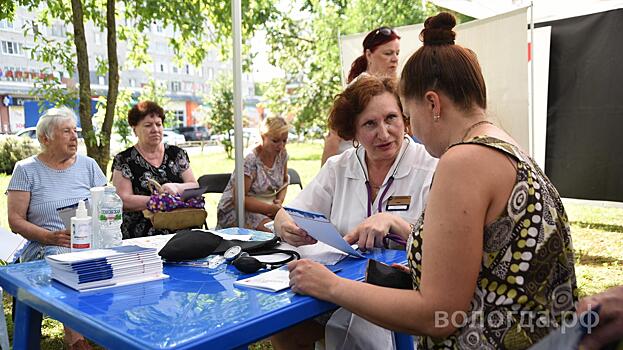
(597, 231)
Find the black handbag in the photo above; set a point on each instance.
(386, 276)
(197, 244)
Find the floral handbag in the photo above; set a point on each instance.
(168, 211)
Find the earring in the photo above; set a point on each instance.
(436, 118)
(355, 143)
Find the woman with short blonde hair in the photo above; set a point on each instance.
(265, 179)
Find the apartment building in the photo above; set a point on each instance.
(186, 85)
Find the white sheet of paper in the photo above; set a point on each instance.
(319, 252)
(272, 258)
(157, 241)
(229, 237)
(272, 281)
(69, 212)
(66, 215)
(319, 227)
(11, 246)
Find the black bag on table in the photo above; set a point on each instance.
(197, 244)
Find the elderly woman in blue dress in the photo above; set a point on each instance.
(55, 178)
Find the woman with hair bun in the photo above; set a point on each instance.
(490, 258)
(381, 48)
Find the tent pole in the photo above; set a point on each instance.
(237, 69)
(339, 44)
(532, 149)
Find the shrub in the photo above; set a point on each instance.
(13, 149)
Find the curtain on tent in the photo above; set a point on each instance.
(585, 106)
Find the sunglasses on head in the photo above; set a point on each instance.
(385, 31)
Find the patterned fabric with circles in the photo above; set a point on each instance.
(527, 280)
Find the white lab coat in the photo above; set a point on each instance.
(339, 190)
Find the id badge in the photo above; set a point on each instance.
(398, 203)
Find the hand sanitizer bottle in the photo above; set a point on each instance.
(81, 229)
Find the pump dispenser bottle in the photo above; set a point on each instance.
(81, 229)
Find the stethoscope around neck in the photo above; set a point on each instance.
(389, 183)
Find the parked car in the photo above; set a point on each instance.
(31, 133)
(170, 137)
(250, 136)
(117, 144)
(194, 133)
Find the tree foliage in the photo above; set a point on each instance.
(221, 100)
(13, 149)
(307, 48)
(199, 26)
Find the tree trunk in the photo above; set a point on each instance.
(113, 82)
(82, 58)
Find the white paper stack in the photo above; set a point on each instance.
(100, 268)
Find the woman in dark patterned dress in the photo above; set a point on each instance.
(148, 159)
(491, 258)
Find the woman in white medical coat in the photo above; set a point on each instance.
(385, 178)
(386, 174)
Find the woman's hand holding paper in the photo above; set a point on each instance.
(294, 235)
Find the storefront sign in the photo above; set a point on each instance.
(18, 75)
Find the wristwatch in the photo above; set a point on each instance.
(232, 253)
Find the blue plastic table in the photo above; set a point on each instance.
(192, 309)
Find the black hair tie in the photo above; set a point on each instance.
(439, 42)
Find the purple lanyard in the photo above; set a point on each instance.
(390, 236)
(369, 188)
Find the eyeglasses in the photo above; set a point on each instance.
(383, 31)
(380, 35)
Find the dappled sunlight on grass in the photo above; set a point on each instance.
(598, 245)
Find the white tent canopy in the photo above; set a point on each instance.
(501, 45)
(544, 10)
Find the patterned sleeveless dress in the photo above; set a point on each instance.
(527, 280)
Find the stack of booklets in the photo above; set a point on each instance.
(101, 268)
